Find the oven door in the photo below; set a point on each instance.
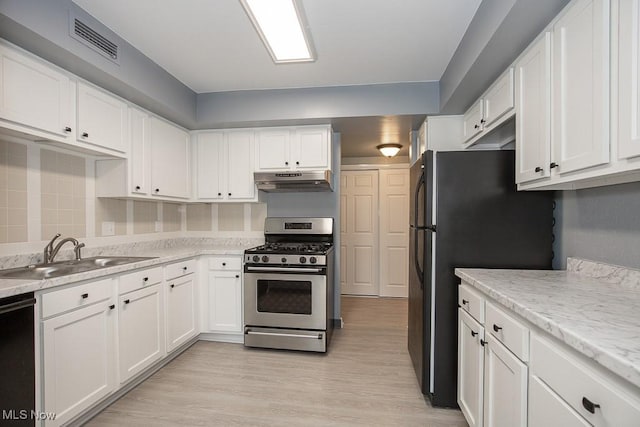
(281, 297)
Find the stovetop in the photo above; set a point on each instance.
(303, 248)
(289, 254)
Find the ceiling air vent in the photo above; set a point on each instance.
(93, 39)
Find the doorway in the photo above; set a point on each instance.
(374, 235)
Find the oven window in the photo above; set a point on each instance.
(284, 296)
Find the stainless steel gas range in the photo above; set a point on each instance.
(288, 286)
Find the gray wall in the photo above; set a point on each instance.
(599, 224)
(315, 205)
(284, 106)
(42, 27)
(498, 33)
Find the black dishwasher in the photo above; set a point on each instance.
(17, 360)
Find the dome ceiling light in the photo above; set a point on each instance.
(389, 150)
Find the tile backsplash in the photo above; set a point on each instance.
(44, 191)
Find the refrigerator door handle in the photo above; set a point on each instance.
(415, 253)
(418, 227)
(416, 201)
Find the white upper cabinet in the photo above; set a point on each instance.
(102, 119)
(298, 148)
(224, 162)
(472, 121)
(169, 160)
(139, 156)
(580, 75)
(533, 115)
(628, 88)
(498, 100)
(34, 94)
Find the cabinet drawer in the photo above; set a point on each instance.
(139, 279)
(225, 263)
(178, 269)
(77, 296)
(471, 302)
(513, 334)
(546, 408)
(578, 385)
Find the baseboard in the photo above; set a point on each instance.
(107, 401)
(232, 337)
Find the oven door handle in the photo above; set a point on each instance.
(284, 269)
(276, 334)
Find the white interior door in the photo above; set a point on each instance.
(394, 232)
(359, 233)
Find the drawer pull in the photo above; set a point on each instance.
(237, 276)
(465, 302)
(145, 279)
(85, 296)
(496, 327)
(483, 342)
(127, 301)
(589, 405)
(473, 334)
(173, 286)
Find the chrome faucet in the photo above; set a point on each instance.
(50, 252)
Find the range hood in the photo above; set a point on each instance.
(294, 181)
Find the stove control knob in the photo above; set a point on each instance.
(313, 260)
(265, 259)
(256, 258)
(283, 259)
(303, 260)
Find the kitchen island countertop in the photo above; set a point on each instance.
(593, 315)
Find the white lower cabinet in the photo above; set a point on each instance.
(547, 409)
(222, 297)
(78, 359)
(141, 330)
(505, 387)
(181, 306)
(470, 368)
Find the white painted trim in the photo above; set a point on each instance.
(235, 338)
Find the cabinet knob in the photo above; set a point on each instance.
(538, 169)
(465, 302)
(224, 263)
(496, 327)
(589, 405)
(85, 135)
(286, 163)
(483, 342)
(553, 165)
(476, 126)
(157, 190)
(137, 187)
(173, 286)
(85, 296)
(483, 121)
(219, 194)
(127, 301)
(297, 163)
(237, 276)
(112, 306)
(67, 129)
(473, 334)
(229, 193)
(184, 268)
(145, 279)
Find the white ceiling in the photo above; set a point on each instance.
(211, 46)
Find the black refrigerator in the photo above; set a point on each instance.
(465, 212)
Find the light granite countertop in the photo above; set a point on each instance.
(593, 308)
(162, 255)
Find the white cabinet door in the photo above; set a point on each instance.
(181, 312)
(505, 388)
(102, 119)
(225, 301)
(533, 112)
(628, 61)
(79, 360)
(272, 149)
(169, 160)
(499, 99)
(472, 120)
(240, 155)
(139, 152)
(311, 148)
(141, 330)
(470, 368)
(34, 94)
(546, 408)
(210, 182)
(581, 86)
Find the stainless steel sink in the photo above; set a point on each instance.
(63, 268)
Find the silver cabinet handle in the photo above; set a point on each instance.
(285, 269)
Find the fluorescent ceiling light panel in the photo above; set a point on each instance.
(280, 25)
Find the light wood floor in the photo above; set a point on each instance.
(365, 379)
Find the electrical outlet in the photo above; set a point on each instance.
(108, 228)
(158, 226)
